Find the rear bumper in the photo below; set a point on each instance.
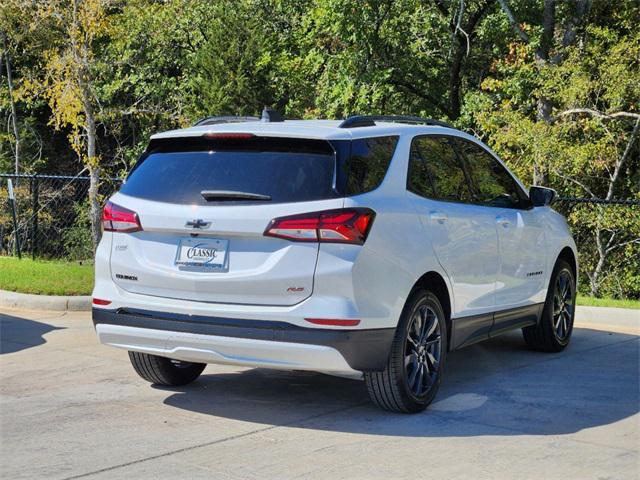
(244, 342)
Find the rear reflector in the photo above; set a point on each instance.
(348, 225)
(119, 219)
(228, 136)
(334, 322)
(99, 301)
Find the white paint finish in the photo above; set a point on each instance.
(392, 260)
(465, 242)
(522, 246)
(483, 264)
(319, 305)
(557, 236)
(225, 350)
(315, 129)
(260, 270)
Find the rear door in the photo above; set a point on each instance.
(463, 235)
(202, 199)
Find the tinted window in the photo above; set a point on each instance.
(285, 174)
(435, 170)
(368, 163)
(492, 185)
(287, 170)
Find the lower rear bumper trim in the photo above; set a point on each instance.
(363, 350)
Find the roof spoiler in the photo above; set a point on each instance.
(268, 115)
(224, 119)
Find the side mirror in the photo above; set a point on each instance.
(541, 196)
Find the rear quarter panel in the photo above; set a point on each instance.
(396, 254)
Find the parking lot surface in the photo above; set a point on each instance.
(71, 408)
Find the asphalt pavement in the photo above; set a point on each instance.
(71, 408)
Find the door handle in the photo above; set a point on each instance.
(500, 220)
(438, 217)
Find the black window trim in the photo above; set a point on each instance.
(525, 195)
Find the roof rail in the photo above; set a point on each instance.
(224, 119)
(370, 121)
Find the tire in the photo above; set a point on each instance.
(164, 371)
(405, 389)
(553, 331)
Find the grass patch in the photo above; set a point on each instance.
(55, 277)
(607, 302)
(45, 277)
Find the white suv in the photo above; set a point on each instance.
(371, 246)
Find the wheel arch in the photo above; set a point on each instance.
(569, 256)
(435, 283)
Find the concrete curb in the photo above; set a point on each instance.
(44, 302)
(597, 314)
(80, 303)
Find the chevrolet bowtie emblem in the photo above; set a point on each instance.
(198, 223)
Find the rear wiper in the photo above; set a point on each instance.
(212, 195)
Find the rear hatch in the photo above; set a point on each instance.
(203, 206)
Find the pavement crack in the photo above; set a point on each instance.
(216, 442)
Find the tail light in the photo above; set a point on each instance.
(349, 225)
(119, 219)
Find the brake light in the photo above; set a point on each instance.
(228, 136)
(349, 225)
(119, 219)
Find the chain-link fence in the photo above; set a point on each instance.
(52, 213)
(607, 233)
(53, 222)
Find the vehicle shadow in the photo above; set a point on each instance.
(18, 333)
(495, 388)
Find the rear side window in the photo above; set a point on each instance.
(368, 163)
(292, 171)
(435, 171)
(491, 183)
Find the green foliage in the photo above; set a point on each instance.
(77, 238)
(579, 153)
(155, 65)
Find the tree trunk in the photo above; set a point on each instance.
(460, 50)
(594, 278)
(544, 105)
(580, 10)
(14, 114)
(94, 175)
(455, 80)
(81, 52)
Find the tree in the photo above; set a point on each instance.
(587, 140)
(12, 102)
(68, 81)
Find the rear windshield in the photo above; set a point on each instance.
(285, 170)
